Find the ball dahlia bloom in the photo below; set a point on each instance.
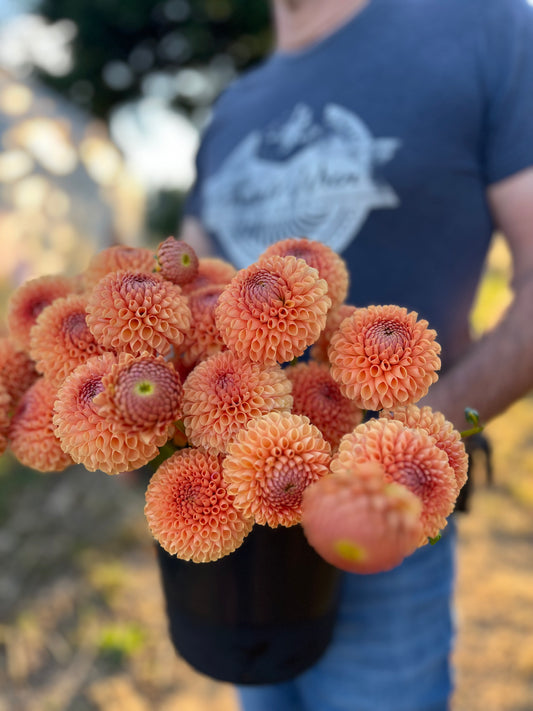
(141, 394)
(117, 258)
(329, 265)
(319, 349)
(211, 270)
(316, 395)
(382, 356)
(176, 261)
(223, 393)
(409, 457)
(135, 312)
(271, 311)
(61, 339)
(443, 432)
(27, 302)
(359, 522)
(17, 370)
(31, 433)
(92, 439)
(271, 463)
(190, 511)
(203, 337)
(5, 407)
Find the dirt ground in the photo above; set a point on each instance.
(81, 616)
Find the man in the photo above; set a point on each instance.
(399, 132)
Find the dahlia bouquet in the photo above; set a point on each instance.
(168, 360)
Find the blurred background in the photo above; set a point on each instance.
(101, 106)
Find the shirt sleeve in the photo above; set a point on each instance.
(508, 76)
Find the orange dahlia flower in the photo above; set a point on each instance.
(27, 302)
(270, 464)
(17, 370)
(176, 261)
(5, 407)
(316, 395)
(117, 258)
(359, 522)
(137, 312)
(31, 433)
(211, 270)
(443, 432)
(87, 435)
(382, 356)
(271, 311)
(319, 350)
(189, 510)
(141, 393)
(409, 457)
(61, 340)
(203, 337)
(329, 265)
(222, 394)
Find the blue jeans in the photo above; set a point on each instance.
(391, 646)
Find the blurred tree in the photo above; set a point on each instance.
(124, 49)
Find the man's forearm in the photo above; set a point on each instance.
(497, 369)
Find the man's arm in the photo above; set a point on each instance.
(194, 234)
(498, 369)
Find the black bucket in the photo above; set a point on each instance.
(261, 615)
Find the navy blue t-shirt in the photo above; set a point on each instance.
(380, 141)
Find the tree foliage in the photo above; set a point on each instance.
(122, 43)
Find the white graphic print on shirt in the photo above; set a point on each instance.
(321, 184)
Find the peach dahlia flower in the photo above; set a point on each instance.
(319, 350)
(382, 356)
(17, 369)
(359, 522)
(443, 432)
(203, 337)
(316, 395)
(141, 393)
(31, 433)
(114, 259)
(61, 339)
(329, 265)
(5, 407)
(189, 510)
(271, 311)
(270, 464)
(27, 302)
(87, 435)
(135, 312)
(211, 270)
(409, 457)
(176, 261)
(223, 393)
